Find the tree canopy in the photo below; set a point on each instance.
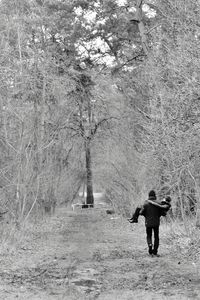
(103, 92)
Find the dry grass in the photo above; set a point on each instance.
(9, 236)
(13, 236)
(184, 237)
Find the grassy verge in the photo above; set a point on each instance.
(184, 238)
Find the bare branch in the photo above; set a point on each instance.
(101, 122)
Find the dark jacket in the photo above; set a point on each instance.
(163, 205)
(152, 213)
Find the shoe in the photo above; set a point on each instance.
(133, 220)
(150, 250)
(155, 253)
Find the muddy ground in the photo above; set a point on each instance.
(88, 254)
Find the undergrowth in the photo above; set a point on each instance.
(183, 238)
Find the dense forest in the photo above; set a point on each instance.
(102, 93)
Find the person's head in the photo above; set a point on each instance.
(152, 195)
(168, 199)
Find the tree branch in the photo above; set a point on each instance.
(128, 61)
(139, 3)
(101, 122)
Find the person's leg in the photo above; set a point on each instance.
(134, 218)
(149, 238)
(156, 239)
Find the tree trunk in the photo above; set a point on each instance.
(90, 196)
(198, 206)
(141, 27)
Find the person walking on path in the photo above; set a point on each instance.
(164, 206)
(152, 210)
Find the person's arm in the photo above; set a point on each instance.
(162, 206)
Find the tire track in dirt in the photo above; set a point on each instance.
(88, 254)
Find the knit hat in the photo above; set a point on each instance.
(152, 195)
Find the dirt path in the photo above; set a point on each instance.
(91, 255)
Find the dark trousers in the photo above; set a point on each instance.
(136, 214)
(149, 231)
